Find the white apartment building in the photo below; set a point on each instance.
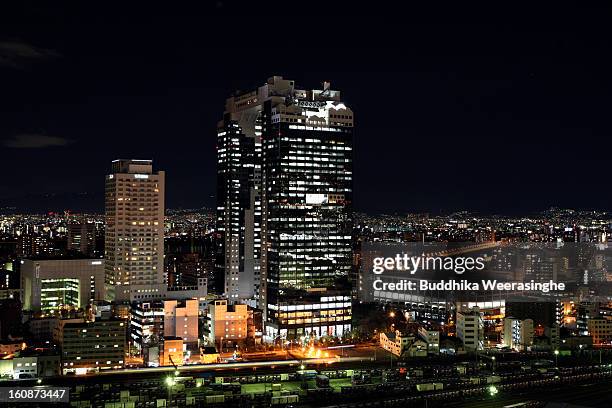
(470, 328)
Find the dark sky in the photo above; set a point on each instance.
(495, 110)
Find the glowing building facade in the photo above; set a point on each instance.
(285, 210)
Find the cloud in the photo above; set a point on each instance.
(19, 54)
(34, 141)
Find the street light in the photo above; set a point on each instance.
(493, 390)
(170, 383)
(556, 358)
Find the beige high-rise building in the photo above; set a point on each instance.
(134, 235)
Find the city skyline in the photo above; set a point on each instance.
(492, 109)
(395, 206)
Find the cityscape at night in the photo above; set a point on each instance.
(222, 206)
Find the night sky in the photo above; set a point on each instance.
(501, 110)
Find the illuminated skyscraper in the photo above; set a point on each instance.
(134, 234)
(237, 262)
(299, 173)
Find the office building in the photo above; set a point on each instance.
(50, 284)
(81, 237)
(286, 154)
(470, 329)
(93, 346)
(307, 139)
(42, 328)
(58, 328)
(134, 234)
(184, 269)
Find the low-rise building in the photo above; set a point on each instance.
(577, 342)
(228, 323)
(173, 352)
(394, 342)
(416, 347)
(181, 319)
(209, 355)
(35, 364)
(93, 346)
(600, 329)
(431, 338)
(6, 368)
(397, 344)
(25, 367)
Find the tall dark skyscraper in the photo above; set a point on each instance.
(237, 262)
(285, 206)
